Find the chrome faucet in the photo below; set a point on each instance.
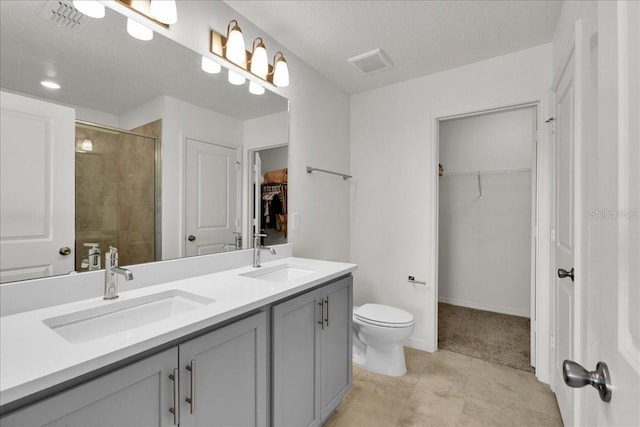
(257, 248)
(111, 270)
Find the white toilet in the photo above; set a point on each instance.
(379, 332)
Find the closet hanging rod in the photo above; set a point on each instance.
(489, 172)
(344, 176)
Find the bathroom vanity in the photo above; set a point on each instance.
(246, 346)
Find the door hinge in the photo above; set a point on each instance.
(553, 342)
(238, 165)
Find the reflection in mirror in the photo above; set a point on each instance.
(109, 79)
(115, 194)
(273, 194)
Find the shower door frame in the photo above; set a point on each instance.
(157, 191)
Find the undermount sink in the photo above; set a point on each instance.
(279, 273)
(115, 317)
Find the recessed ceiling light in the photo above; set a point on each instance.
(50, 84)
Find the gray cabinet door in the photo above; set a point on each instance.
(296, 364)
(224, 374)
(312, 354)
(137, 395)
(336, 369)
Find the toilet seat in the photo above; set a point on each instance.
(384, 315)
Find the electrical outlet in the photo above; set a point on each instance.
(411, 278)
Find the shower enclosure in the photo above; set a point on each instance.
(117, 193)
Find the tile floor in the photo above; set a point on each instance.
(447, 389)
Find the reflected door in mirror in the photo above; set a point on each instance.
(211, 197)
(37, 208)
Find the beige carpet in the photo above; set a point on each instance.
(494, 337)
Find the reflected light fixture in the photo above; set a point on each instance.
(91, 8)
(259, 61)
(87, 145)
(235, 78)
(49, 84)
(138, 30)
(164, 11)
(256, 88)
(210, 66)
(280, 71)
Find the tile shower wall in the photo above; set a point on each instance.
(115, 195)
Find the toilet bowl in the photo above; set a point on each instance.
(379, 332)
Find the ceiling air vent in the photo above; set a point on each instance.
(63, 14)
(371, 62)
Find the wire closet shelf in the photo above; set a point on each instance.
(478, 173)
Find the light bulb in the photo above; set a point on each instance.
(281, 72)
(49, 84)
(256, 88)
(90, 8)
(138, 31)
(164, 11)
(259, 60)
(235, 78)
(87, 145)
(235, 50)
(210, 66)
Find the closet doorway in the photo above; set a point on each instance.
(486, 218)
(270, 193)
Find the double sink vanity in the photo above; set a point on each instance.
(242, 346)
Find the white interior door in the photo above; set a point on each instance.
(211, 197)
(564, 231)
(614, 261)
(37, 209)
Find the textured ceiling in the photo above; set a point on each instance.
(420, 37)
(101, 67)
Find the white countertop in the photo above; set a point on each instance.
(33, 357)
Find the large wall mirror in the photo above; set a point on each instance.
(138, 149)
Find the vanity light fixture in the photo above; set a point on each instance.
(91, 8)
(164, 11)
(161, 12)
(259, 61)
(281, 71)
(49, 84)
(235, 52)
(232, 49)
(210, 66)
(138, 30)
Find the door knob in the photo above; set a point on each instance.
(562, 273)
(576, 376)
(191, 238)
(65, 250)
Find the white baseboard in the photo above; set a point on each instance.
(493, 308)
(418, 344)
